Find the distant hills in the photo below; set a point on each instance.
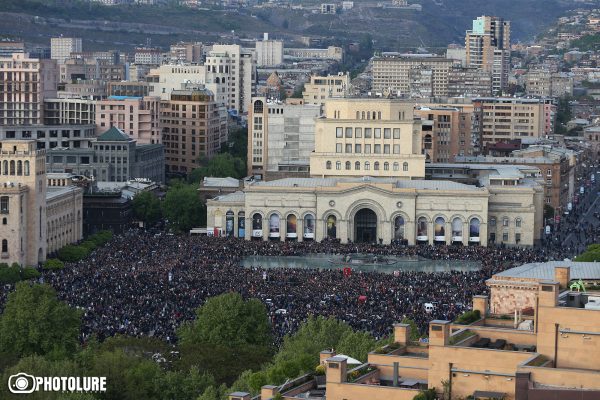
(439, 23)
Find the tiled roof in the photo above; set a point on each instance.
(113, 135)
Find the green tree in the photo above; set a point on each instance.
(72, 253)
(183, 209)
(298, 90)
(356, 345)
(414, 333)
(35, 322)
(222, 165)
(180, 385)
(228, 320)
(53, 263)
(591, 254)
(146, 208)
(9, 274)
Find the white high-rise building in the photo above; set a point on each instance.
(62, 47)
(269, 52)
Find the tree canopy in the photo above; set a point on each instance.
(591, 254)
(146, 208)
(183, 209)
(222, 165)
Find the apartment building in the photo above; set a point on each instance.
(269, 52)
(69, 111)
(544, 83)
(128, 88)
(446, 133)
(185, 53)
(392, 74)
(321, 88)
(7, 48)
(62, 47)
(147, 55)
(166, 78)
(137, 116)
(51, 136)
(24, 85)
(194, 126)
(469, 82)
(330, 53)
(281, 138)
(230, 74)
(503, 119)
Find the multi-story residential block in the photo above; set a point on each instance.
(392, 73)
(503, 119)
(377, 137)
(269, 52)
(544, 83)
(321, 88)
(330, 53)
(137, 116)
(185, 53)
(62, 47)
(166, 78)
(112, 157)
(24, 84)
(194, 126)
(458, 54)
(69, 112)
(127, 88)
(488, 48)
(446, 133)
(147, 55)
(230, 73)
(469, 82)
(281, 138)
(83, 89)
(7, 48)
(51, 136)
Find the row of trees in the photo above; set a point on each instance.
(228, 347)
(591, 254)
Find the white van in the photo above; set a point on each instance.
(429, 308)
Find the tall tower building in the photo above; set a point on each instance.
(62, 47)
(269, 52)
(22, 202)
(24, 84)
(488, 48)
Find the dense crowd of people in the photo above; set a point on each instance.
(144, 283)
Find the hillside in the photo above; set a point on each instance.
(439, 23)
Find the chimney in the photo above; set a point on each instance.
(562, 275)
(548, 294)
(439, 332)
(268, 392)
(324, 355)
(336, 369)
(481, 303)
(401, 333)
(239, 396)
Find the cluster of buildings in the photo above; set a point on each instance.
(535, 338)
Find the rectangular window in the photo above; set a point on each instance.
(338, 147)
(367, 149)
(517, 237)
(386, 149)
(349, 133)
(396, 149)
(357, 148)
(377, 133)
(358, 133)
(4, 204)
(368, 133)
(396, 133)
(377, 149)
(505, 237)
(349, 148)
(387, 133)
(339, 132)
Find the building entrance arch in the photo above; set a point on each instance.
(365, 226)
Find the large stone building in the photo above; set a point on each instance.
(446, 133)
(269, 52)
(368, 186)
(281, 138)
(69, 112)
(469, 82)
(24, 85)
(139, 117)
(321, 88)
(333, 53)
(395, 74)
(535, 340)
(51, 136)
(36, 218)
(62, 47)
(193, 126)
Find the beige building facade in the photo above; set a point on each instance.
(321, 88)
(136, 116)
(64, 208)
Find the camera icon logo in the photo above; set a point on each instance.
(21, 383)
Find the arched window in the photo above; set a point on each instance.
(405, 166)
(376, 166)
(328, 165)
(399, 228)
(518, 222)
(309, 226)
(368, 114)
(4, 221)
(422, 229)
(474, 226)
(358, 115)
(12, 167)
(367, 166)
(505, 221)
(357, 165)
(396, 166)
(257, 222)
(378, 114)
(363, 115)
(348, 165)
(4, 246)
(331, 227)
(386, 166)
(5, 167)
(27, 168)
(258, 107)
(439, 229)
(19, 167)
(338, 165)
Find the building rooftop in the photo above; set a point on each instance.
(220, 182)
(232, 197)
(398, 183)
(545, 270)
(114, 134)
(56, 191)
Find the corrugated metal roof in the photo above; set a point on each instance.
(232, 197)
(401, 184)
(545, 270)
